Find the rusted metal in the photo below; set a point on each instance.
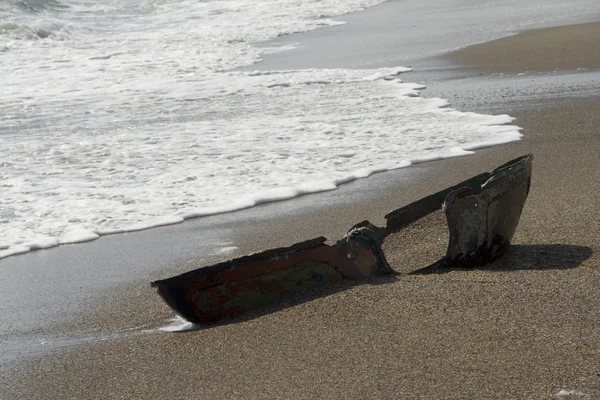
(482, 213)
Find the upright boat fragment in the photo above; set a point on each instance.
(482, 214)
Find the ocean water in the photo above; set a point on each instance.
(123, 115)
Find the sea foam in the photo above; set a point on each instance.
(137, 119)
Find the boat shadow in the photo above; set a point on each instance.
(296, 299)
(519, 257)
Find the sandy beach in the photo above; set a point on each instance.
(524, 327)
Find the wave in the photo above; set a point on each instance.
(33, 31)
(31, 20)
(37, 6)
(26, 32)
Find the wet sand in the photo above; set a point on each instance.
(524, 327)
(539, 50)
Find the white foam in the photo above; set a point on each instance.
(131, 121)
(154, 223)
(78, 235)
(179, 324)
(41, 243)
(279, 49)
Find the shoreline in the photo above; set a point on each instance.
(261, 202)
(412, 33)
(445, 63)
(429, 175)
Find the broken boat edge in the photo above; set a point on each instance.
(227, 289)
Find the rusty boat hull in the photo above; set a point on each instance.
(482, 214)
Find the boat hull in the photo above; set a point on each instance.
(482, 213)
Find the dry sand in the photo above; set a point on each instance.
(527, 326)
(540, 50)
(432, 234)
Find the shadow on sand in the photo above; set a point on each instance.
(519, 257)
(298, 298)
(516, 258)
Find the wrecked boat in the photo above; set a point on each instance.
(482, 214)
